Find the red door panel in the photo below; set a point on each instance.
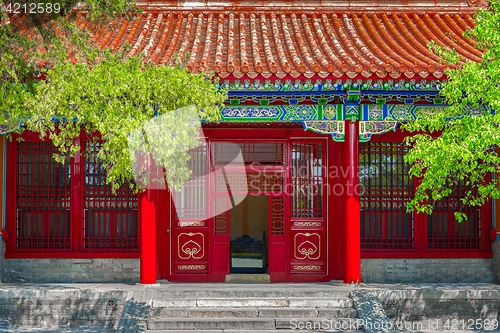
(278, 254)
(163, 234)
(219, 243)
(190, 247)
(308, 247)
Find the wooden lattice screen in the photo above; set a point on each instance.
(62, 208)
(42, 199)
(307, 180)
(385, 187)
(385, 224)
(445, 232)
(255, 182)
(221, 220)
(191, 200)
(110, 220)
(260, 153)
(277, 216)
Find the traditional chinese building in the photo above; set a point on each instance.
(316, 92)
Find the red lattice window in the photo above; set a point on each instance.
(260, 153)
(385, 224)
(110, 220)
(445, 232)
(191, 200)
(277, 216)
(265, 181)
(221, 205)
(385, 187)
(66, 210)
(42, 199)
(307, 180)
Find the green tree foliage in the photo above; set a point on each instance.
(462, 145)
(57, 83)
(47, 33)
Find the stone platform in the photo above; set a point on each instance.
(248, 308)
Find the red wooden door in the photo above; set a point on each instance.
(220, 238)
(308, 246)
(191, 223)
(277, 250)
(189, 251)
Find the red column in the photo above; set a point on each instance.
(352, 228)
(148, 234)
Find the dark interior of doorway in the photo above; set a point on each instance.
(249, 224)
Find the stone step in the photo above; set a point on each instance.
(308, 312)
(248, 278)
(253, 312)
(328, 324)
(319, 302)
(308, 302)
(208, 324)
(244, 291)
(253, 331)
(59, 329)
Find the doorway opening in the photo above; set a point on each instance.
(249, 235)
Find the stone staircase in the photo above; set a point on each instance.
(253, 308)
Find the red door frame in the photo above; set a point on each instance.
(163, 234)
(218, 248)
(335, 213)
(171, 227)
(324, 245)
(279, 270)
(272, 134)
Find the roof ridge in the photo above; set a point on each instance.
(308, 5)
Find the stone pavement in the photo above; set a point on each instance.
(125, 308)
(58, 330)
(450, 331)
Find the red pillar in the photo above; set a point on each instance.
(148, 235)
(352, 228)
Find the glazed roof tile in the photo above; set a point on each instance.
(286, 44)
(294, 45)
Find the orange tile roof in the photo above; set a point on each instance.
(298, 44)
(295, 44)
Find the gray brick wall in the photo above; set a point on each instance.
(427, 270)
(2, 256)
(71, 270)
(372, 270)
(495, 248)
